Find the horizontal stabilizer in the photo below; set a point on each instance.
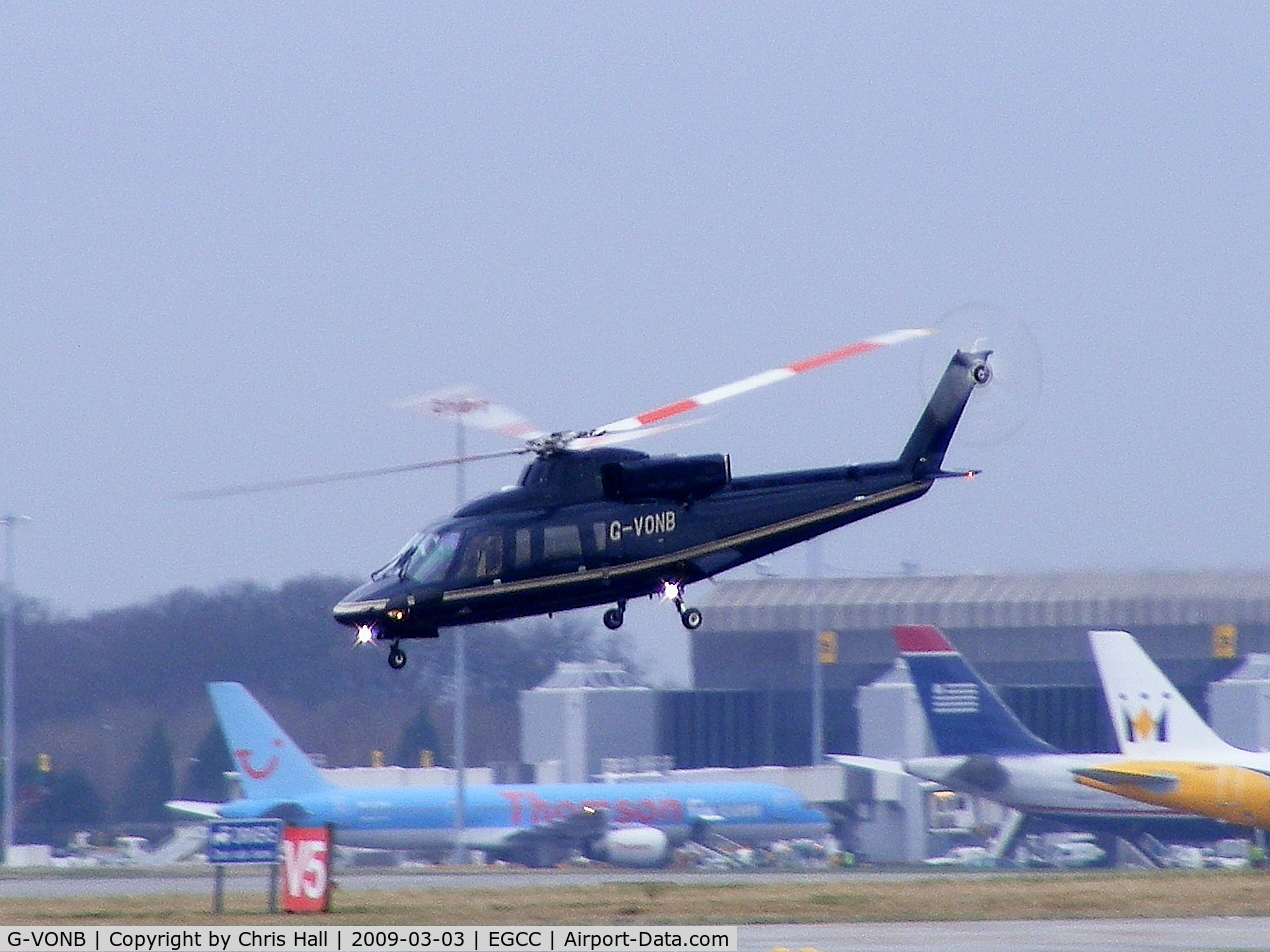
(872, 764)
(1119, 777)
(194, 809)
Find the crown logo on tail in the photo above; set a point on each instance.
(1143, 726)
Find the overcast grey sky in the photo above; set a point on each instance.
(235, 234)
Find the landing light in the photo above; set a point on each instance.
(365, 635)
(670, 591)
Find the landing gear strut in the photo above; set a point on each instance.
(614, 617)
(690, 617)
(396, 657)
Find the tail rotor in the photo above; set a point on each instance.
(1002, 408)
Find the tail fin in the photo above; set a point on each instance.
(924, 452)
(966, 716)
(270, 763)
(1149, 714)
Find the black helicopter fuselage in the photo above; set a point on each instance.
(608, 525)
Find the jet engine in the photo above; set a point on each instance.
(641, 846)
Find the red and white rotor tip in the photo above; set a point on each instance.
(758, 380)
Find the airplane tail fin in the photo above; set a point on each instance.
(269, 762)
(1150, 715)
(965, 714)
(924, 452)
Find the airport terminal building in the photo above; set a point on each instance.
(752, 659)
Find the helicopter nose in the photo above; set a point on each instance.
(358, 612)
(362, 606)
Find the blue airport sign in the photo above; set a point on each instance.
(243, 841)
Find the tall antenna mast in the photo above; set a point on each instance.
(10, 522)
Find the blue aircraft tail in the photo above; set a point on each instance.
(269, 762)
(965, 714)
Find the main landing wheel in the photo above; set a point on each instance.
(691, 618)
(613, 619)
(396, 658)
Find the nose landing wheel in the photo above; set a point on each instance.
(396, 657)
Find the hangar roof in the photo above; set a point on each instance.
(1079, 599)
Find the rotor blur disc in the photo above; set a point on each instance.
(1001, 408)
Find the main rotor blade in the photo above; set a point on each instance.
(341, 477)
(629, 436)
(473, 409)
(648, 417)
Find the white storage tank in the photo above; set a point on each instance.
(893, 727)
(583, 713)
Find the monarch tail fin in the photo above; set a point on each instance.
(1148, 712)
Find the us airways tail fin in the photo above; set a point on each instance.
(269, 762)
(1150, 715)
(924, 453)
(966, 716)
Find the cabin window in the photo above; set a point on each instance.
(561, 542)
(601, 530)
(524, 555)
(483, 557)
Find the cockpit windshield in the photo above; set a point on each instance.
(431, 557)
(394, 565)
(425, 558)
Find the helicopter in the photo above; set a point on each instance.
(594, 523)
(591, 524)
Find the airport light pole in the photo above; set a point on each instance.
(9, 522)
(460, 747)
(460, 678)
(454, 407)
